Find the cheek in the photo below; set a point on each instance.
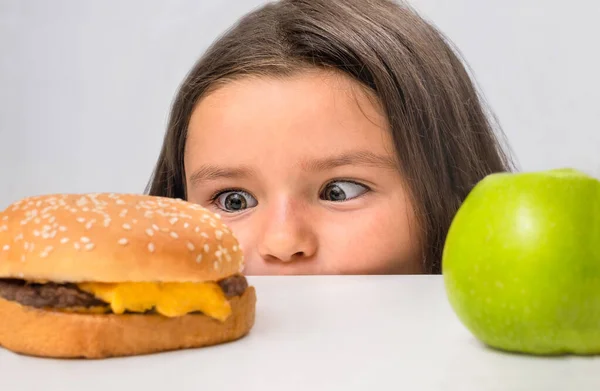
(373, 243)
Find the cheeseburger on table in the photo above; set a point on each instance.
(101, 275)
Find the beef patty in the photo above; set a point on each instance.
(59, 296)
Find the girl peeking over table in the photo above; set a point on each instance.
(332, 136)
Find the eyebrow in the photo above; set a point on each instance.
(351, 158)
(211, 173)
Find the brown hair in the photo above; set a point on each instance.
(444, 139)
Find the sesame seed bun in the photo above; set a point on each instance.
(115, 238)
(43, 333)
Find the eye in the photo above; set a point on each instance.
(233, 201)
(342, 191)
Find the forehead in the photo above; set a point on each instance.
(304, 114)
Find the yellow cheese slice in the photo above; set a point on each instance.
(168, 299)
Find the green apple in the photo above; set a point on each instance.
(521, 262)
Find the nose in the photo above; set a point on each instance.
(287, 235)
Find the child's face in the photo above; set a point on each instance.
(302, 170)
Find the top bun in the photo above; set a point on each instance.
(115, 238)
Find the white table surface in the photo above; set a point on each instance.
(324, 333)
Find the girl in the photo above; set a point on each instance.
(333, 136)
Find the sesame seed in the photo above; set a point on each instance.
(228, 257)
(149, 214)
(19, 237)
(123, 241)
(134, 221)
(90, 246)
(149, 232)
(186, 225)
(218, 216)
(52, 219)
(197, 229)
(77, 246)
(199, 258)
(23, 222)
(235, 248)
(204, 235)
(106, 222)
(62, 228)
(216, 265)
(174, 235)
(123, 213)
(173, 220)
(191, 246)
(64, 240)
(219, 234)
(6, 247)
(120, 202)
(80, 220)
(36, 233)
(155, 227)
(151, 247)
(213, 224)
(46, 251)
(85, 209)
(127, 227)
(85, 239)
(206, 248)
(218, 254)
(89, 224)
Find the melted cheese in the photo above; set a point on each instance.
(168, 299)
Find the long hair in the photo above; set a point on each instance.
(445, 139)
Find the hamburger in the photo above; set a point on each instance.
(104, 275)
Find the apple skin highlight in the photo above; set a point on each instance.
(521, 262)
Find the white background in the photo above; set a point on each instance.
(86, 86)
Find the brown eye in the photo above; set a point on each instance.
(342, 191)
(235, 201)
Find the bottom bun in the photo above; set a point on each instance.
(37, 332)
